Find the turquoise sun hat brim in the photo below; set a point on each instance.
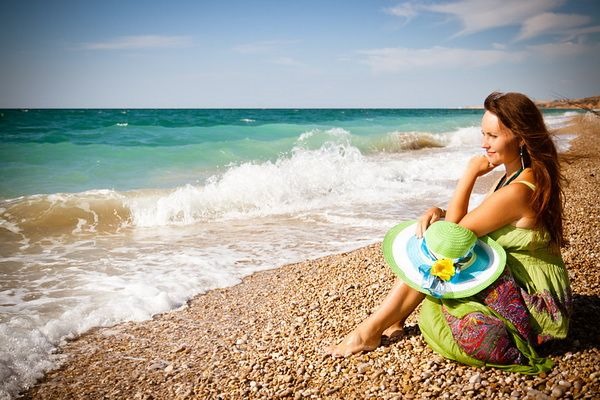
(401, 254)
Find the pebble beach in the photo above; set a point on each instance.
(264, 338)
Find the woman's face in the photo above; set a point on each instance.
(500, 144)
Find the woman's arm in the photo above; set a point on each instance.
(501, 208)
(459, 204)
(498, 209)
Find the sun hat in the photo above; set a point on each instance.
(448, 262)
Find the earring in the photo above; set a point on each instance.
(521, 156)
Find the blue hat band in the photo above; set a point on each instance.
(468, 267)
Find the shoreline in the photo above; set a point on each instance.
(263, 337)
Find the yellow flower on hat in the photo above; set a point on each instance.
(443, 269)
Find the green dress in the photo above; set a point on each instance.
(500, 326)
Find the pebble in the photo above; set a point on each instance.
(475, 378)
(362, 368)
(537, 395)
(331, 391)
(565, 384)
(557, 391)
(157, 365)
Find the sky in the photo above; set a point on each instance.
(294, 53)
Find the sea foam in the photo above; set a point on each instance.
(306, 179)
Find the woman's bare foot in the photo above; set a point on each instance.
(394, 331)
(355, 342)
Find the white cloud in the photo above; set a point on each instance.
(140, 42)
(480, 15)
(571, 34)
(404, 10)
(400, 59)
(565, 49)
(551, 23)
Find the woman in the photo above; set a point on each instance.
(530, 303)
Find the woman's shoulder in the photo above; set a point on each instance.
(521, 191)
(526, 178)
(527, 175)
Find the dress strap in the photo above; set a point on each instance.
(503, 182)
(526, 183)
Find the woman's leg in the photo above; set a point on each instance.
(400, 302)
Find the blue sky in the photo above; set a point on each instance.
(369, 53)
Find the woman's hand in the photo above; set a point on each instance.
(428, 218)
(479, 166)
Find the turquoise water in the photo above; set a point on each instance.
(50, 151)
(115, 215)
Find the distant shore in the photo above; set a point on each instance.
(264, 337)
(586, 103)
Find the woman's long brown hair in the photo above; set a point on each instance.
(519, 114)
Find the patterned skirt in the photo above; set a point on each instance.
(498, 327)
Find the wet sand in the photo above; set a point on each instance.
(264, 337)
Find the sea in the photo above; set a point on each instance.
(111, 215)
